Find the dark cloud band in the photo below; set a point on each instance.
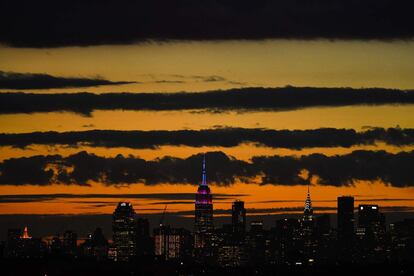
(223, 137)
(339, 170)
(11, 80)
(49, 23)
(242, 99)
(25, 198)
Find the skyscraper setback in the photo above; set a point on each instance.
(203, 224)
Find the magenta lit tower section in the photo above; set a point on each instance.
(203, 226)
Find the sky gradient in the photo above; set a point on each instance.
(246, 95)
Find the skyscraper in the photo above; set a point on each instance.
(345, 218)
(203, 225)
(308, 229)
(367, 215)
(307, 220)
(124, 231)
(238, 217)
(370, 221)
(308, 211)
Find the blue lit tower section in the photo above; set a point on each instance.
(203, 225)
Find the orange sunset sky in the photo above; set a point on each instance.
(203, 66)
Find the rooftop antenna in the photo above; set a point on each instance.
(204, 174)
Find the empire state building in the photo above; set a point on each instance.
(203, 225)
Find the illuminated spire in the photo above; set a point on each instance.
(204, 176)
(26, 234)
(308, 204)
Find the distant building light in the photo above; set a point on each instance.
(374, 207)
(298, 263)
(362, 207)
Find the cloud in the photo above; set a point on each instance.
(284, 210)
(169, 81)
(374, 200)
(213, 79)
(166, 198)
(199, 78)
(223, 137)
(83, 168)
(12, 80)
(180, 79)
(26, 23)
(240, 99)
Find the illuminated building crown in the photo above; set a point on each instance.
(203, 193)
(26, 234)
(308, 204)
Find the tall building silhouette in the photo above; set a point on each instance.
(238, 217)
(145, 245)
(203, 225)
(124, 231)
(345, 218)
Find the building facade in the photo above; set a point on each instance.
(124, 231)
(171, 243)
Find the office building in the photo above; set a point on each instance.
(345, 218)
(172, 243)
(203, 225)
(238, 217)
(124, 231)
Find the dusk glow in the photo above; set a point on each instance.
(186, 138)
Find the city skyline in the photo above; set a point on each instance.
(307, 237)
(203, 203)
(361, 237)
